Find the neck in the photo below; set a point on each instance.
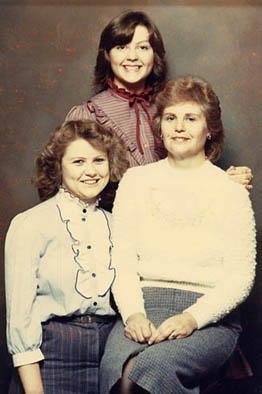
(134, 88)
(188, 163)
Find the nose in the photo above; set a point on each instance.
(179, 126)
(132, 55)
(90, 170)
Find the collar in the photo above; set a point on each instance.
(73, 203)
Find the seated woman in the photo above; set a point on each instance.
(184, 253)
(58, 264)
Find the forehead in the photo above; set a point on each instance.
(185, 107)
(83, 148)
(141, 34)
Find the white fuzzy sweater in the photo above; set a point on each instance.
(186, 229)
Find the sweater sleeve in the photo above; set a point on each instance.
(22, 256)
(239, 244)
(126, 289)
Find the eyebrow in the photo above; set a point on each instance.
(187, 114)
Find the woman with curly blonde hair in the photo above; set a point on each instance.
(58, 264)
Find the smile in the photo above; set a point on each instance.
(180, 139)
(90, 181)
(132, 67)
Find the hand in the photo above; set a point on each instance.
(175, 327)
(242, 175)
(139, 328)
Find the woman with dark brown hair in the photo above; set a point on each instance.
(58, 264)
(184, 254)
(130, 70)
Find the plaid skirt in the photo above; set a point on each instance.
(72, 351)
(173, 366)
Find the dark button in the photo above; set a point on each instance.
(89, 246)
(84, 210)
(95, 303)
(83, 219)
(94, 275)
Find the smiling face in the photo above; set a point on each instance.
(85, 170)
(184, 131)
(133, 62)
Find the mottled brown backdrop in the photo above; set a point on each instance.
(47, 56)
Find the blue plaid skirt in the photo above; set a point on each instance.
(72, 351)
(173, 366)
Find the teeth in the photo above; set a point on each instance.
(134, 68)
(90, 182)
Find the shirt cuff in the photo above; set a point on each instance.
(27, 358)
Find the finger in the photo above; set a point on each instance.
(140, 336)
(129, 335)
(172, 336)
(146, 332)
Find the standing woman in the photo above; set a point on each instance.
(58, 265)
(184, 254)
(130, 70)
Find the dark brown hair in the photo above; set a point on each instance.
(194, 89)
(120, 31)
(48, 175)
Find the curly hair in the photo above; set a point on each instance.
(120, 31)
(191, 88)
(48, 174)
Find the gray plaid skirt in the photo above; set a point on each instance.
(72, 351)
(172, 366)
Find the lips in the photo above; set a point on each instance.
(180, 139)
(132, 67)
(90, 181)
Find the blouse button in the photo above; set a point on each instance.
(84, 210)
(83, 219)
(89, 246)
(93, 275)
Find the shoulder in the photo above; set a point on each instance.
(227, 189)
(32, 216)
(146, 170)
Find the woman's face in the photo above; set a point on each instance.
(184, 131)
(85, 170)
(133, 62)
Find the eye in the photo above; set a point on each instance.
(144, 47)
(120, 47)
(100, 159)
(192, 118)
(169, 117)
(78, 161)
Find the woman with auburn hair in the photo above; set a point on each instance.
(58, 264)
(184, 254)
(130, 70)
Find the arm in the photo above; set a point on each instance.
(22, 255)
(126, 288)
(31, 378)
(235, 222)
(242, 175)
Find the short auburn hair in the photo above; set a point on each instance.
(120, 31)
(191, 88)
(48, 171)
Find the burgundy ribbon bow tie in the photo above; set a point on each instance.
(142, 98)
